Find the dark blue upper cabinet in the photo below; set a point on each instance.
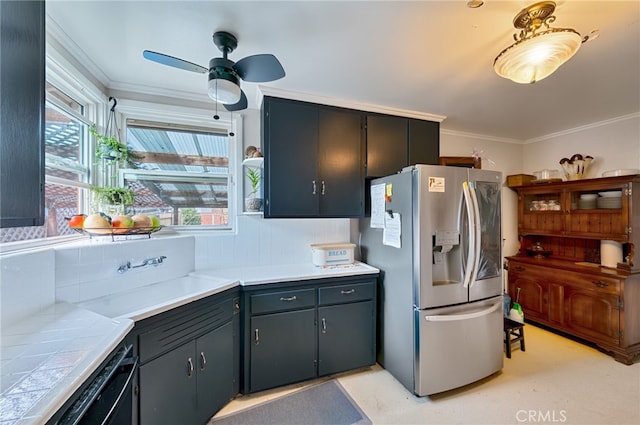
(22, 78)
(314, 160)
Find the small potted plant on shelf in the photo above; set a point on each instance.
(253, 202)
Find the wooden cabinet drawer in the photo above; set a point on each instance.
(281, 301)
(346, 293)
(598, 283)
(182, 325)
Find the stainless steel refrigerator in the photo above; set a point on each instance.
(435, 234)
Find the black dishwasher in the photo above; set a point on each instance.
(107, 396)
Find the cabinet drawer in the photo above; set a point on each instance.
(599, 283)
(346, 293)
(281, 301)
(183, 325)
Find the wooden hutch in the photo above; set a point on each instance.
(569, 290)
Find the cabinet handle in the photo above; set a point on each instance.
(519, 268)
(189, 367)
(599, 283)
(322, 188)
(348, 291)
(293, 298)
(313, 182)
(324, 325)
(203, 361)
(256, 337)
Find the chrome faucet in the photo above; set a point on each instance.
(154, 261)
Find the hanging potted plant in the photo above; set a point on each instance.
(112, 200)
(111, 150)
(253, 202)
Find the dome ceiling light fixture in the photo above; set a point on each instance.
(538, 50)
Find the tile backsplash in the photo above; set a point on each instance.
(26, 284)
(90, 271)
(81, 271)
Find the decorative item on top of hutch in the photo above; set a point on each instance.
(576, 287)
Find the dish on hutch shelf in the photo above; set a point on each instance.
(611, 194)
(621, 172)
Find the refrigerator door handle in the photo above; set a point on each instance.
(477, 231)
(472, 234)
(467, 316)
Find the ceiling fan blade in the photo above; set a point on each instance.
(259, 68)
(242, 103)
(174, 62)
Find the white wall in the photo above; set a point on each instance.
(614, 144)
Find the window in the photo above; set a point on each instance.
(66, 167)
(184, 174)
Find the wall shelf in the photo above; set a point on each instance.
(253, 162)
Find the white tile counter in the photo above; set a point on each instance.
(147, 301)
(46, 357)
(259, 275)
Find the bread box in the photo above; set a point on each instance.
(330, 254)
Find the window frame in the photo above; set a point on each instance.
(198, 119)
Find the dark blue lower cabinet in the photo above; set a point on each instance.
(167, 390)
(283, 347)
(293, 333)
(346, 337)
(189, 366)
(215, 372)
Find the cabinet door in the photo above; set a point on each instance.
(387, 151)
(22, 78)
(424, 142)
(592, 314)
(341, 163)
(283, 347)
(168, 388)
(346, 337)
(215, 358)
(535, 216)
(607, 217)
(533, 292)
(291, 157)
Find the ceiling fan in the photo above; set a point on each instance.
(224, 74)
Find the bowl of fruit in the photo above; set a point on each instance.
(100, 224)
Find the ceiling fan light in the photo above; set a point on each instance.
(224, 91)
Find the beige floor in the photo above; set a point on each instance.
(555, 381)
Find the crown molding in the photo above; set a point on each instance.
(635, 115)
(477, 136)
(72, 52)
(332, 101)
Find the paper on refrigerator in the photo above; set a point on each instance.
(377, 206)
(392, 230)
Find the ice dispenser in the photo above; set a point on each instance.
(446, 257)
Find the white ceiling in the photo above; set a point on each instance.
(433, 57)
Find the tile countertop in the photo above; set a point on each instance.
(48, 356)
(147, 301)
(259, 275)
